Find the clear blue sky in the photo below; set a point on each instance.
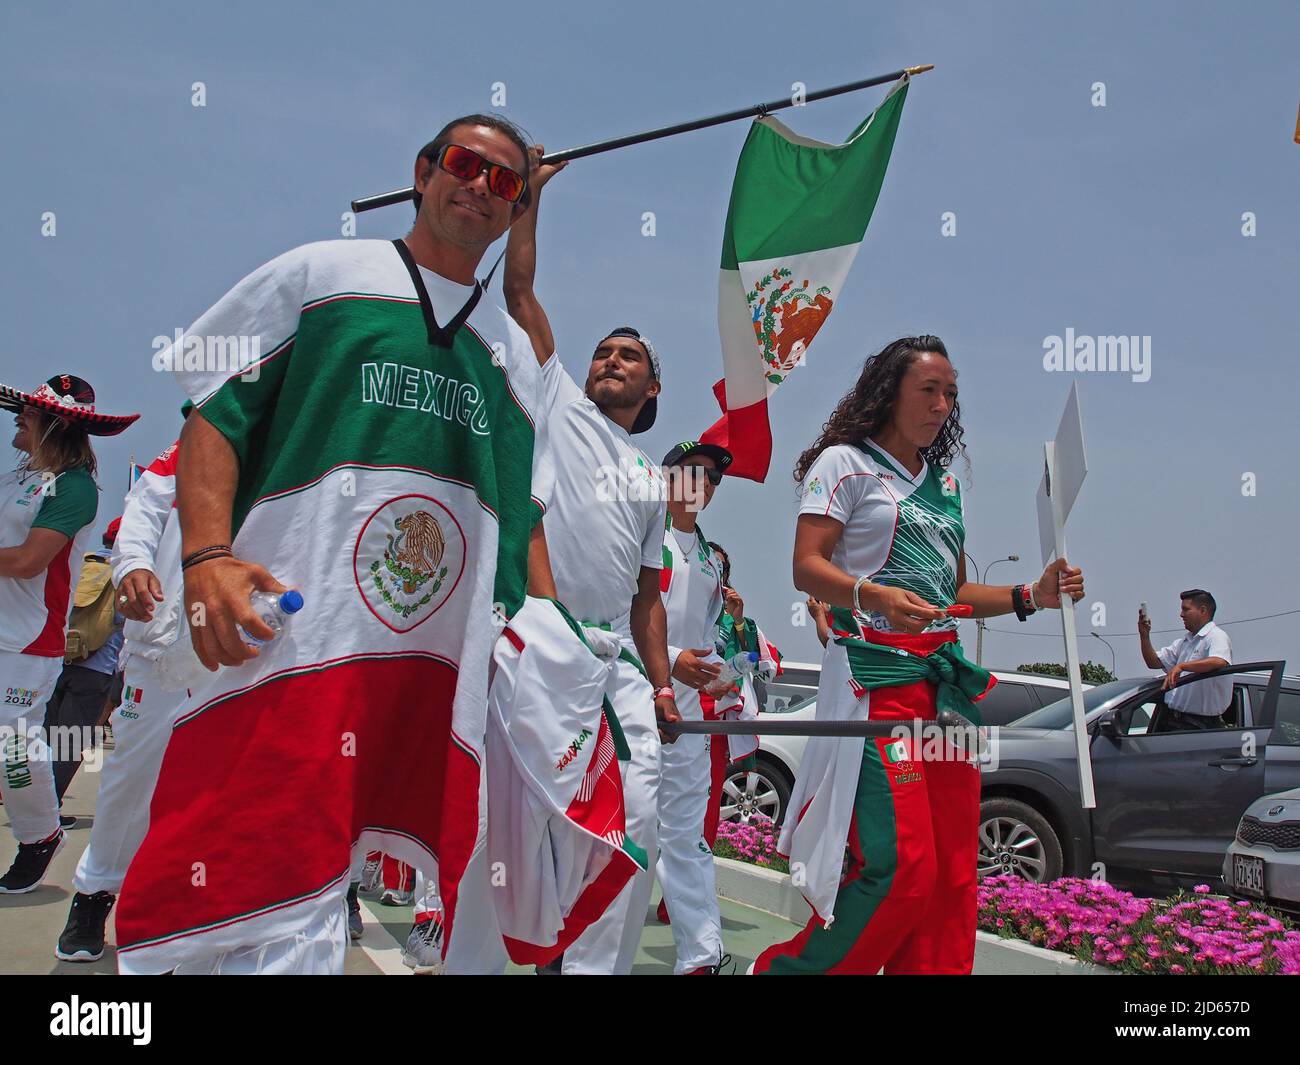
(1117, 220)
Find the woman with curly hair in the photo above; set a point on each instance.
(882, 832)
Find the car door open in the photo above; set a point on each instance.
(1170, 792)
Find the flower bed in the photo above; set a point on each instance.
(754, 843)
(1180, 935)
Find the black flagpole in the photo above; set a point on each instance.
(387, 199)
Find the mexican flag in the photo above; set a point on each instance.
(895, 752)
(799, 209)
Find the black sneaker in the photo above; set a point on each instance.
(356, 929)
(83, 935)
(29, 867)
(67, 820)
(554, 967)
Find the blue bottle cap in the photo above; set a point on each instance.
(753, 656)
(291, 601)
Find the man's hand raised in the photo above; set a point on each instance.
(540, 173)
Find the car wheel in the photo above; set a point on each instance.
(762, 791)
(1015, 839)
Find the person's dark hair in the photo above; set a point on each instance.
(867, 406)
(1200, 597)
(718, 549)
(497, 122)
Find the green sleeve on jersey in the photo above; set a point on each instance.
(70, 504)
(241, 409)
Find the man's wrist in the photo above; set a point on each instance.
(125, 569)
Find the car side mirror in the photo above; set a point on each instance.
(1108, 726)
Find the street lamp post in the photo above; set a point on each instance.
(979, 622)
(1112, 654)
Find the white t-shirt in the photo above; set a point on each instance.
(34, 610)
(1204, 697)
(691, 586)
(899, 530)
(605, 518)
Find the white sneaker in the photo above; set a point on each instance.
(423, 950)
(372, 878)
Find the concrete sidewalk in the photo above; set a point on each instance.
(30, 924)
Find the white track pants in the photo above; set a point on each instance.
(685, 866)
(609, 945)
(318, 950)
(26, 684)
(142, 725)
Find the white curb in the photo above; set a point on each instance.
(768, 890)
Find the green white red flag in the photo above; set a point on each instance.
(799, 209)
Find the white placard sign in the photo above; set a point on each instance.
(1071, 463)
(1065, 468)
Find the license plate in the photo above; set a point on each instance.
(1248, 874)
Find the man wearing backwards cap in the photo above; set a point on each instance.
(691, 584)
(604, 536)
(47, 507)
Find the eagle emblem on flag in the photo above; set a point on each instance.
(409, 559)
(786, 317)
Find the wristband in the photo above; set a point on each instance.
(665, 692)
(857, 589)
(1033, 599)
(1018, 602)
(1027, 598)
(205, 554)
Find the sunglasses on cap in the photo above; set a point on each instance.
(466, 164)
(714, 476)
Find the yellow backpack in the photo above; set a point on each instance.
(91, 623)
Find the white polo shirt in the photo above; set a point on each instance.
(1204, 697)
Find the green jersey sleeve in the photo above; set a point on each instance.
(70, 503)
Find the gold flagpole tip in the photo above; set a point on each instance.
(912, 71)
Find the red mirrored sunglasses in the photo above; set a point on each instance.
(466, 164)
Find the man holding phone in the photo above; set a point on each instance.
(1203, 649)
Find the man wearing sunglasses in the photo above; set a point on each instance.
(604, 540)
(387, 458)
(693, 594)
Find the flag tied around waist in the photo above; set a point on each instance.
(799, 209)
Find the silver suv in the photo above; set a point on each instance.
(762, 787)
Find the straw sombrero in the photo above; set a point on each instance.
(71, 399)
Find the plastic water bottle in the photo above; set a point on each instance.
(735, 667)
(274, 609)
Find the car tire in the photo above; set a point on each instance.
(765, 790)
(1016, 839)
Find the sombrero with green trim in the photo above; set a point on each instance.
(70, 398)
